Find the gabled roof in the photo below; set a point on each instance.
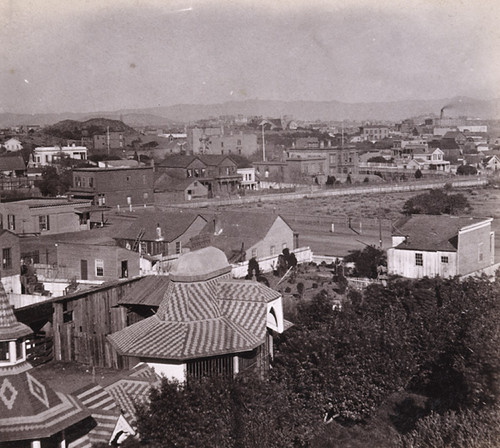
(177, 161)
(12, 163)
(237, 228)
(172, 224)
(433, 232)
(210, 317)
(169, 183)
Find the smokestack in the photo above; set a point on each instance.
(442, 113)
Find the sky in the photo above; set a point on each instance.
(95, 55)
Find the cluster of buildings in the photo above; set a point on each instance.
(102, 278)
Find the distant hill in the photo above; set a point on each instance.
(334, 110)
(300, 110)
(74, 130)
(130, 118)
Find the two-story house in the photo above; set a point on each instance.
(217, 172)
(441, 245)
(114, 186)
(47, 155)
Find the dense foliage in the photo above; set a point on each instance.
(54, 182)
(368, 262)
(436, 339)
(436, 202)
(467, 170)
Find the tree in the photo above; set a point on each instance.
(223, 412)
(53, 183)
(330, 180)
(253, 268)
(436, 202)
(367, 261)
(467, 170)
(418, 174)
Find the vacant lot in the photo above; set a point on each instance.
(356, 218)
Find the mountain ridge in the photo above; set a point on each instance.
(300, 110)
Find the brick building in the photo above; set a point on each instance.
(114, 186)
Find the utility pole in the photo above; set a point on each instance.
(263, 143)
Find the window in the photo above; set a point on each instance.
(99, 268)
(419, 259)
(178, 247)
(4, 351)
(254, 253)
(189, 173)
(273, 250)
(6, 258)
(11, 222)
(128, 178)
(19, 349)
(283, 246)
(91, 182)
(67, 314)
(480, 252)
(124, 273)
(444, 259)
(43, 222)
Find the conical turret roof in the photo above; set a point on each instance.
(10, 328)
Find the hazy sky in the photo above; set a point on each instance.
(87, 55)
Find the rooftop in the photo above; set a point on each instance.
(433, 232)
(208, 316)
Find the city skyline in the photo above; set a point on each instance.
(86, 57)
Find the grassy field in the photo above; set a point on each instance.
(312, 217)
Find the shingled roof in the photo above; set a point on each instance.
(236, 229)
(433, 232)
(29, 408)
(172, 224)
(200, 315)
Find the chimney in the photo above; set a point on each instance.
(217, 225)
(159, 236)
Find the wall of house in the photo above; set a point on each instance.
(193, 230)
(69, 257)
(402, 262)
(62, 218)
(279, 236)
(116, 185)
(81, 323)
(475, 249)
(10, 241)
(239, 144)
